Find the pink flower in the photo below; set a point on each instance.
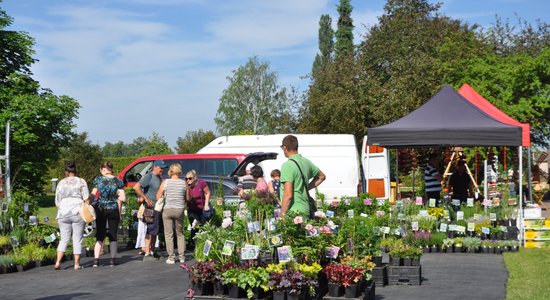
(320, 214)
(367, 201)
(325, 229)
(309, 227)
(298, 220)
(334, 203)
(380, 213)
(313, 231)
(227, 222)
(190, 293)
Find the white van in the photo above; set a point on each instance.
(376, 170)
(335, 154)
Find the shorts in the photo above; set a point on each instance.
(154, 228)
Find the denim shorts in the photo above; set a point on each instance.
(154, 228)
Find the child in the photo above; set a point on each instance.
(275, 184)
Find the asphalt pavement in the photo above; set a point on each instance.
(445, 276)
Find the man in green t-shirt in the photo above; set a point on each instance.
(293, 194)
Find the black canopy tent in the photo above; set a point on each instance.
(448, 119)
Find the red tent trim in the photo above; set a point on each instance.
(476, 99)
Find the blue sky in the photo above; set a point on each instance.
(138, 66)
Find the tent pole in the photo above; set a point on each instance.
(520, 213)
(367, 170)
(485, 183)
(529, 179)
(396, 175)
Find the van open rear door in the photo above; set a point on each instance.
(376, 172)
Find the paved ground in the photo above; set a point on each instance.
(446, 276)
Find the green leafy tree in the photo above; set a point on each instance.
(253, 102)
(118, 149)
(17, 49)
(344, 33)
(87, 156)
(155, 145)
(194, 140)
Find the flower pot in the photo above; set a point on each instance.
(395, 261)
(352, 291)
(300, 296)
(377, 260)
(20, 268)
(259, 293)
(407, 261)
(513, 222)
(415, 262)
(236, 292)
(279, 295)
(514, 249)
(426, 249)
(434, 249)
(335, 290)
(459, 249)
(449, 249)
(220, 288)
(38, 263)
(205, 288)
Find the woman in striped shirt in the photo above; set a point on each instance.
(174, 190)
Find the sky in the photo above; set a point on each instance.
(143, 66)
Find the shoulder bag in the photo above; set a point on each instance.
(311, 201)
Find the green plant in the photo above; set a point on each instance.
(4, 240)
(458, 241)
(472, 243)
(247, 278)
(436, 239)
(33, 251)
(6, 260)
(88, 242)
(20, 259)
(447, 243)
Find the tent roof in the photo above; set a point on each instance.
(446, 119)
(471, 95)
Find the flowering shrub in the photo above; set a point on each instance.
(202, 271)
(343, 274)
(293, 278)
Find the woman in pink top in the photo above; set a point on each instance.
(261, 190)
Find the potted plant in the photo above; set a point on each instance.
(458, 242)
(343, 277)
(414, 254)
(396, 256)
(448, 245)
(20, 261)
(219, 287)
(334, 271)
(472, 244)
(6, 262)
(34, 253)
(252, 279)
(202, 276)
(377, 258)
(436, 240)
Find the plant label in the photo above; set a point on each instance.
(471, 226)
(496, 201)
(452, 227)
(400, 216)
(487, 202)
(26, 207)
(275, 240)
(48, 239)
(418, 201)
(431, 202)
(364, 215)
(492, 216)
(189, 227)
(460, 229)
(21, 221)
(329, 214)
(350, 213)
(271, 224)
(284, 253)
(399, 203)
(386, 229)
(485, 230)
(33, 221)
(477, 216)
(206, 248)
(11, 222)
(248, 253)
(194, 224)
(443, 227)
(446, 214)
(455, 202)
(381, 202)
(46, 220)
(332, 252)
(226, 214)
(414, 226)
(459, 215)
(14, 241)
(228, 247)
(4, 207)
(470, 202)
(423, 213)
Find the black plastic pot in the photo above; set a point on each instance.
(407, 261)
(204, 288)
(377, 260)
(236, 292)
(395, 261)
(279, 295)
(351, 291)
(220, 288)
(335, 290)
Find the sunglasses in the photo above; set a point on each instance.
(189, 178)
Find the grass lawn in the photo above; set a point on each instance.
(529, 271)
(47, 209)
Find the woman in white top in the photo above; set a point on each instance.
(69, 195)
(174, 190)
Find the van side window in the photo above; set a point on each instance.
(138, 171)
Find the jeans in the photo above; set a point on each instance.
(173, 217)
(73, 225)
(195, 215)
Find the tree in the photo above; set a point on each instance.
(41, 122)
(155, 145)
(194, 140)
(344, 33)
(87, 156)
(326, 44)
(253, 102)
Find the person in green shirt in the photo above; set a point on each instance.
(293, 193)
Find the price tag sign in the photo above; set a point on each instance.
(471, 227)
(431, 202)
(414, 226)
(470, 202)
(418, 201)
(26, 207)
(459, 215)
(443, 227)
(351, 213)
(461, 229)
(423, 213)
(456, 202)
(485, 230)
(487, 202)
(386, 230)
(452, 227)
(493, 216)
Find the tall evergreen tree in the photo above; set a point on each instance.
(326, 43)
(344, 33)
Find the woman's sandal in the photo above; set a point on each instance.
(96, 263)
(112, 262)
(57, 267)
(76, 268)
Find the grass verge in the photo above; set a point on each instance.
(47, 209)
(528, 271)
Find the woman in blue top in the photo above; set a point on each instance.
(107, 208)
